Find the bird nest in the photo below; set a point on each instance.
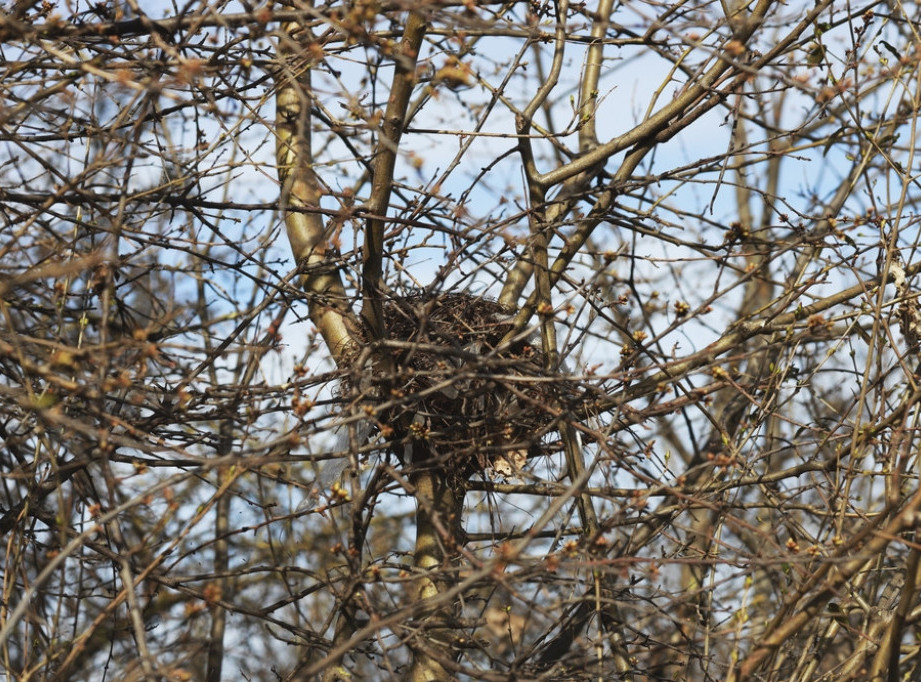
(450, 393)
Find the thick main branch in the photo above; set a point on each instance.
(300, 197)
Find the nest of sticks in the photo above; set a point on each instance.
(458, 398)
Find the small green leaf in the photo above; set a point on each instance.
(816, 55)
(891, 49)
(44, 401)
(834, 137)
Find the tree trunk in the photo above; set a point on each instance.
(439, 503)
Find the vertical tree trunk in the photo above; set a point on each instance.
(439, 503)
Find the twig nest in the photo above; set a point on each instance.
(449, 392)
